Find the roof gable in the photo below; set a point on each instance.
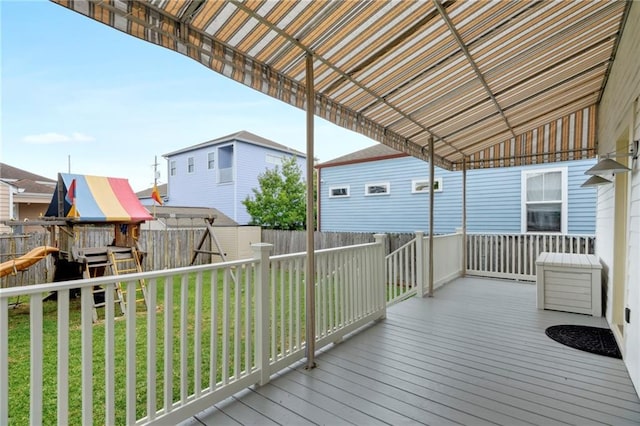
(242, 136)
(10, 173)
(372, 153)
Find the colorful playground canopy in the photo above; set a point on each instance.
(96, 199)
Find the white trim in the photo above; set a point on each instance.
(375, 194)
(209, 167)
(438, 185)
(564, 214)
(172, 168)
(347, 187)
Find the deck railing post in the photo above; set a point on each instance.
(420, 257)
(379, 273)
(4, 360)
(261, 255)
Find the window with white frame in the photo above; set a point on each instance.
(172, 168)
(382, 188)
(274, 159)
(544, 195)
(190, 165)
(211, 160)
(422, 185)
(339, 191)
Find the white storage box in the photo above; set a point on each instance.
(569, 282)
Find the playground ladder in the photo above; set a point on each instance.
(126, 260)
(96, 262)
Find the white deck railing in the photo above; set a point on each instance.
(407, 268)
(513, 256)
(402, 272)
(212, 330)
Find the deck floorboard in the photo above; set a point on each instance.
(474, 354)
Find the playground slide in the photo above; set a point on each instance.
(23, 262)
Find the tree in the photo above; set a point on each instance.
(279, 202)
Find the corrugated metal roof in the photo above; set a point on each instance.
(480, 78)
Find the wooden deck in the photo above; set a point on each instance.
(474, 354)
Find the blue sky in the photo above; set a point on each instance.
(76, 92)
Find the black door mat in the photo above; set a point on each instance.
(590, 339)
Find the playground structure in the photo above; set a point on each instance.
(21, 263)
(81, 201)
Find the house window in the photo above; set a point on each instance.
(211, 160)
(422, 185)
(225, 164)
(377, 188)
(339, 191)
(544, 207)
(274, 159)
(172, 168)
(190, 165)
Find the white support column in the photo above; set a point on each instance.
(431, 179)
(420, 257)
(380, 272)
(4, 360)
(261, 254)
(311, 262)
(36, 323)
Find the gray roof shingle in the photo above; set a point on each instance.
(243, 136)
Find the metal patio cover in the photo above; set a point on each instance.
(498, 83)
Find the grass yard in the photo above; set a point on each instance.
(237, 298)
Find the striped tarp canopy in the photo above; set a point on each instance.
(498, 83)
(96, 199)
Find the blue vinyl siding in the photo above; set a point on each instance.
(202, 188)
(493, 198)
(251, 161)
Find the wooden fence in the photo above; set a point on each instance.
(285, 242)
(166, 249)
(163, 250)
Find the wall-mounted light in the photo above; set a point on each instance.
(595, 180)
(608, 166)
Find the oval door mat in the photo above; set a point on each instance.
(596, 340)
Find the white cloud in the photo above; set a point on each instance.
(51, 137)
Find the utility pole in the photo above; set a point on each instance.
(155, 171)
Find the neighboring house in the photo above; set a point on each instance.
(23, 196)
(378, 189)
(145, 195)
(222, 172)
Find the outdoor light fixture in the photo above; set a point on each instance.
(595, 180)
(607, 165)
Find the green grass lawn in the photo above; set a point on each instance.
(19, 335)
